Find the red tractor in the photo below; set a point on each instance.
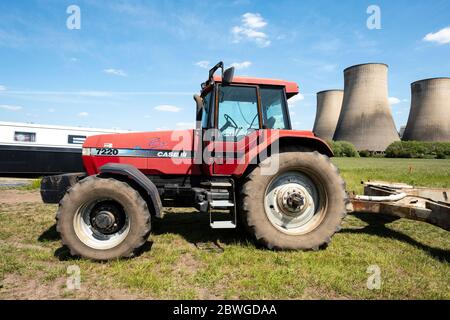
(242, 160)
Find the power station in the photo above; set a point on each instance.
(329, 104)
(429, 117)
(366, 118)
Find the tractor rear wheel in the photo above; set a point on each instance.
(103, 219)
(300, 207)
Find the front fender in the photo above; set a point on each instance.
(132, 173)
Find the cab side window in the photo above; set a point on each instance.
(238, 111)
(274, 108)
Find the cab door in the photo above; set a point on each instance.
(237, 123)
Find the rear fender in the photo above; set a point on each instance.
(278, 143)
(313, 143)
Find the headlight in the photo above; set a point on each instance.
(86, 152)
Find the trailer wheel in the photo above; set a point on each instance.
(300, 207)
(103, 219)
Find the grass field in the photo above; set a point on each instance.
(188, 260)
(418, 172)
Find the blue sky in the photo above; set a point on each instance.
(136, 64)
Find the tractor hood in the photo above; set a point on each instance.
(180, 140)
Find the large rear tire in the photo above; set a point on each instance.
(300, 207)
(103, 219)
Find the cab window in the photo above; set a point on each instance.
(238, 111)
(273, 103)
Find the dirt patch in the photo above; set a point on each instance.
(187, 264)
(15, 287)
(316, 293)
(19, 245)
(18, 196)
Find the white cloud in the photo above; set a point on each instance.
(253, 20)
(441, 37)
(241, 65)
(51, 110)
(2, 88)
(167, 108)
(115, 72)
(203, 64)
(295, 99)
(394, 100)
(185, 125)
(83, 114)
(10, 108)
(95, 93)
(73, 59)
(99, 93)
(250, 29)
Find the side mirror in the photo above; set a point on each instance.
(228, 76)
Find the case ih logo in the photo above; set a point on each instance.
(172, 154)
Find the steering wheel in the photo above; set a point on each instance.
(230, 121)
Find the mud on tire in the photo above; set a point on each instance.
(108, 205)
(329, 200)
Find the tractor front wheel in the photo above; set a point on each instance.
(299, 207)
(103, 219)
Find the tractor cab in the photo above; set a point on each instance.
(238, 106)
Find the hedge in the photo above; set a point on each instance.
(418, 150)
(343, 149)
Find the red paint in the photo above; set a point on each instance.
(291, 87)
(182, 141)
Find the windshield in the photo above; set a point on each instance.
(238, 111)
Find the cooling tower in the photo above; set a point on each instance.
(366, 118)
(329, 105)
(429, 118)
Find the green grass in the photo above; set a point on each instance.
(35, 184)
(188, 260)
(417, 172)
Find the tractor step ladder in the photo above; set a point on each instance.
(223, 205)
(217, 184)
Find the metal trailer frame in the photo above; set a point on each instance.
(431, 205)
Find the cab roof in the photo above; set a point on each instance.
(291, 87)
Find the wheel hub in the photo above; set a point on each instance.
(292, 200)
(102, 224)
(104, 220)
(292, 203)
